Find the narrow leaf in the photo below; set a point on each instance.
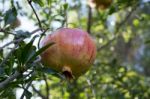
(52, 72)
(40, 2)
(28, 50)
(41, 50)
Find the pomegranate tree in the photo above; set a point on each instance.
(72, 54)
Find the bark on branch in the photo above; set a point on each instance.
(9, 79)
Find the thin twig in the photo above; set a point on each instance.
(11, 42)
(36, 30)
(30, 3)
(47, 86)
(30, 73)
(41, 37)
(66, 15)
(23, 94)
(89, 21)
(4, 31)
(38, 92)
(11, 78)
(18, 40)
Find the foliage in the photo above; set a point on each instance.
(121, 32)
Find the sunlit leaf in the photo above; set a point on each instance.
(40, 2)
(136, 22)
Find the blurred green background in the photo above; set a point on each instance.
(122, 35)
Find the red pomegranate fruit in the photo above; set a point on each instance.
(72, 54)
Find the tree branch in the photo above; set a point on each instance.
(11, 42)
(4, 31)
(38, 92)
(23, 94)
(11, 78)
(36, 30)
(47, 86)
(41, 37)
(4, 83)
(30, 3)
(89, 21)
(18, 40)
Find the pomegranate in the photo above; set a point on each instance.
(72, 54)
(103, 4)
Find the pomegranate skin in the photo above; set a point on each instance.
(73, 52)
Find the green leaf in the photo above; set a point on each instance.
(41, 50)
(18, 52)
(65, 6)
(28, 51)
(7, 93)
(25, 51)
(40, 2)
(51, 72)
(147, 42)
(112, 10)
(49, 2)
(136, 22)
(9, 65)
(32, 52)
(10, 16)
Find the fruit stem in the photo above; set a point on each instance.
(67, 72)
